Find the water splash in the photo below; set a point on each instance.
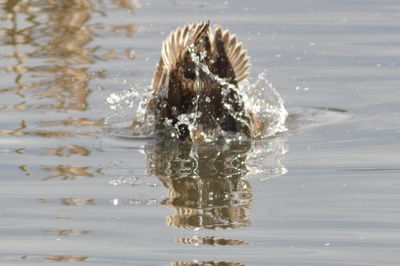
(116, 101)
(260, 99)
(267, 106)
(261, 108)
(123, 104)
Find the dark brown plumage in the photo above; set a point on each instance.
(198, 73)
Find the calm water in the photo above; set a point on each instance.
(75, 186)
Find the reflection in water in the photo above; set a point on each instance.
(54, 258)
(206, 263)
(66, 232)
(60, 36)
(46, 45)
(206, 183)
(68, 151)
(211, 241)
(26, 170)
(25, 131)
(70, 201)
(66, 258)
(67, 172)
(128, 4)
(17, 132)
(76, 201)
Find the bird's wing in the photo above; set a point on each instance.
(173, 49)
(233, 50)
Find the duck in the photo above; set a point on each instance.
(195, 89)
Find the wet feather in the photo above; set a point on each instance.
(199, 71)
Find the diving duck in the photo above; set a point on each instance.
(195, 87)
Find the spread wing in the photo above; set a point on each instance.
(174, 48)
(225, 45)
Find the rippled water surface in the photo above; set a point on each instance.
(77, 187)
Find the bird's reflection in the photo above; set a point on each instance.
(206, 184)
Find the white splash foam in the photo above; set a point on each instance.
(267, 106)
(260, 99)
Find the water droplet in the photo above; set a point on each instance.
(115, 202)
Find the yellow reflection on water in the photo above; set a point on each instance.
(205, 263)
(24, 130)
(54, 258)
(211, 241)
(70, 150)
(46, 53)
(66, 258)
(76, 201)
(17, 132)
(48, 48)
(66, 172)
(66, 232)
(56, 34)
(70, 201)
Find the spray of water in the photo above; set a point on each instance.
(267, 106)
(263, 108)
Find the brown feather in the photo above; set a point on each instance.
(179, 81)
